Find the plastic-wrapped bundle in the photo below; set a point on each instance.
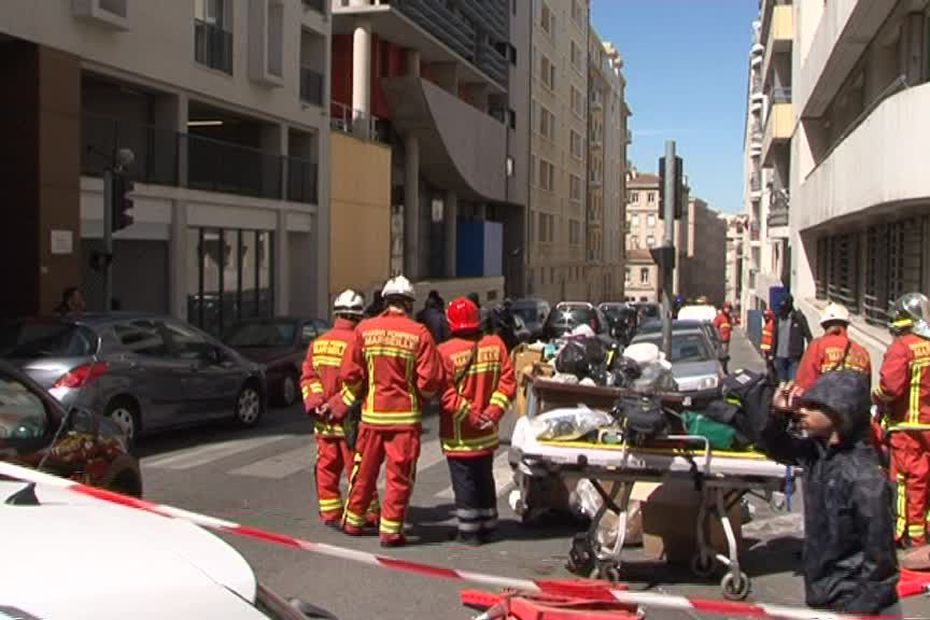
(655, 377)
(569, 423)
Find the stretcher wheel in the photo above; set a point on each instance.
(702, 564)
(735, 587)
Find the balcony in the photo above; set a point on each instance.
(780, 35)
(311, 86)
(302, 178)
(315, 5)
(779, 126)
(778, 219)
(155, 149)
(213, 46)
(754, 235)
(225, 167)
(755, 185)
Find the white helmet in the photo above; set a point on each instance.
(398, 286)
(349, 302)
(834, 313)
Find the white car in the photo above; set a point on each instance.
(702, 313)
(70, 556)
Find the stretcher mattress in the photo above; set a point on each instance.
(677, 456)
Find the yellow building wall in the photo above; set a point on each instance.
(360, 242)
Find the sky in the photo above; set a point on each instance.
(686, 64)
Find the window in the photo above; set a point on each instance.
(635, 221)
(142, 338)
(574, 188)
(547, 72)
(634, 242)
(576, 56)
(634, 196)
(576, 12)
(577, 102)
(546, 228)
(512, 118)
(23, 411)
(546, 123)
(508, 166)
(650, 220)
(626, 275)
(188, 343)
(213, 39)
(546, 175)
(650, 241)
(651, 197)
(546, 19)
(574, 232)
(576, 145)
(644, 275)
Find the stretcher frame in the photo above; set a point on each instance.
(723, 479)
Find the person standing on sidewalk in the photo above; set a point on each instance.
(393, 366)
(835, 350)
(723, 323)
(903, 394)
(322, 395)
(480, 393)
(792, 333)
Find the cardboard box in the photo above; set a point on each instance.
(669, 520)
(524, 361)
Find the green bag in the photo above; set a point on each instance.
(720, 436)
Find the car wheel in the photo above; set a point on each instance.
(288, 394)
(125, 414)
(248, 406)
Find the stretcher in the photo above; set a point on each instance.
(722, 479)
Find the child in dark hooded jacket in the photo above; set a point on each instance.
(850, 564)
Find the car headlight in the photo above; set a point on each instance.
(708, 383)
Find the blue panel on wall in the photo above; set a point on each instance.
(469, 249)
(493, 249)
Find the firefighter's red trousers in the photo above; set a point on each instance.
(333, 457)
(910, 467)
(400, 449)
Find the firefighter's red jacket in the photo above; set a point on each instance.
(724, 325)
(319, 380)
(486, 384)
(829, 353)
(904, 384)
(397, 360)
(768, 336)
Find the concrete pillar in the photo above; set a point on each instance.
(274, 142)
(282, 270)
(177, 262)
(361, 77)
(413, 62)
(171, 114)
(412, 206)
(450, 212)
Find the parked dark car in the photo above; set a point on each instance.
(533, 312)
(145, 372)
(35, 429)
(622, 319)
(280, 344)
(568, 315)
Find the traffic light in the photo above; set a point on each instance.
(678, 205)
(121, 212)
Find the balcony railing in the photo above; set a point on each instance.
(345, 119)
(755, 182)
(311, 85)
(213, 46)
(302, 176)
(781, 94)
(219, 166)
(754, 231)
(316, 5)
(155, 149)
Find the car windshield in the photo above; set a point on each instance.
(262, 334)
(529, 314)
(618, 312)
(22, 413)
(566, 318)
(26, 339)
(690, 347)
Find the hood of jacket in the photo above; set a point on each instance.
(845, 393)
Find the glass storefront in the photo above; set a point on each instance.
(230, 276)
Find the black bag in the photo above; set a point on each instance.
(350, 424)
(642, 419)
(573, 359)
(751, 392)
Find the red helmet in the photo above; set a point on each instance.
(463, 315)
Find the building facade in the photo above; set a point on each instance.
(860, 197)
(735, 248)
(607, 141)
(703, 269)
(558, 161)
(768, 156)
(222, 104)
(446, 87)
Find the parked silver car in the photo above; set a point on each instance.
(694, 359)
(145, 372)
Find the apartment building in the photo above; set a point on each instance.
(558, 162)
(446, 87)
(607, 141)
(222, 104)
(703, 269)
(769, 128)
(735, 254)
(644, 231)
(860, 195)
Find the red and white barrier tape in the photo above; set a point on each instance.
(579, 588)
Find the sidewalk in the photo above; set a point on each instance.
(743, 355)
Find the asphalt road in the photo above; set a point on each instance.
(263, 478)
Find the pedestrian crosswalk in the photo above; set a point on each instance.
(280, 456)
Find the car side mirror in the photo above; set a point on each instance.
(83, 421)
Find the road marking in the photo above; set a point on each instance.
(503, 479)
(280, 465)
(201, 455)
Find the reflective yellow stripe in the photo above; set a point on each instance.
(917, 370)
(389, 352)
(316, 388)
(901, 508)
(328, 430)
(353, 519)
(390, 527)
(388, 419)
(304, 391)
(348, 395)
(328, 361)
(478, 369)
(882, 395)
(500, 400)
(907, 426)
(471, 445)
(331, 505)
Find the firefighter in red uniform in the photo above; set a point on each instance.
(394, 366)
(904, 395)
(724, 325)
(768, 333)
(322, 394)
(832, 351)
(480, 392)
